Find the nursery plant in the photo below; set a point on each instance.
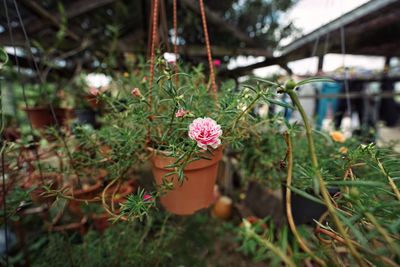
(360, 225)
(183, 126)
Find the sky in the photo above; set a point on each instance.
(308, 15)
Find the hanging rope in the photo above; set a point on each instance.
(152, 52)
(210, 62)
(152, 60)
(175, 22)
(175, 25)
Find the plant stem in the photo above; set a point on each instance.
(323, 188)
(395, 249)
(272, 247)
(247, 109)
(289, 214)
(390, 180)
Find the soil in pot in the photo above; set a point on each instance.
(42, 117)
(304, 210)
(197, 190)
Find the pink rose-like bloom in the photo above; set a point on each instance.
(147, 197)
(181, 113)
(136, 92)
(94, 91)
(206, 132)
(217, 63)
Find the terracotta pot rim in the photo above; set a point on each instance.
(160, 159)
(36, 178)
(90, 189)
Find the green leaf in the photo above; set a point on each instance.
(279, 103)
(306, 195)
(356, 183)
(265, 81)
(3, 57)
(316, 80)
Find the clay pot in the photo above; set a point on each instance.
(304, 210)
(71, 227)
(42, 117)
(101, 221)
(196, 192)
(87, 192)
(52, 180)
(125, 190)
(92, 101)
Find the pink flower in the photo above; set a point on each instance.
(181, 113)
(206, 132)
(136, 92)
(217, 63)
(147, 197)
(94, 91)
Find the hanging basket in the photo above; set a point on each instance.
(196, 192)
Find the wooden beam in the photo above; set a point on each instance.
(241, 71)
(75, 9)
(219, 21)
(53, 20)
(128, 43)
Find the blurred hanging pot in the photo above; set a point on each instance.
(304, 210)
(50, 180)
(115, 195)
(196, 191)
(86, 116)
(42, 117)
(92, 101)
(87, 192)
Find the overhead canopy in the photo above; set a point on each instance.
(371, 29)
(87, 28)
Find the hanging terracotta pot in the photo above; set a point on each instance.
(42, 117)
(87, 192)
(51, 180)
(196, 192)
(92, 101)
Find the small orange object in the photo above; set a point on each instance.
(343, 150)
(222, 208)
(338, 137)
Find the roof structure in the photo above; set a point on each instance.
(371, 29)
(87, 29)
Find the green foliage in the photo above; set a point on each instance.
(3, 57)
(162, 241)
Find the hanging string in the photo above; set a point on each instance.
(36, 67)
(210, 62)
(4, 189)
(175, 25)
(345, 79)
(152, 60)
(152, 53)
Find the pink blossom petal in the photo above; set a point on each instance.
(94, 91)
(147, 197)
(206, 132)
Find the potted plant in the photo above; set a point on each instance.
(185, 128)
(47, 106)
